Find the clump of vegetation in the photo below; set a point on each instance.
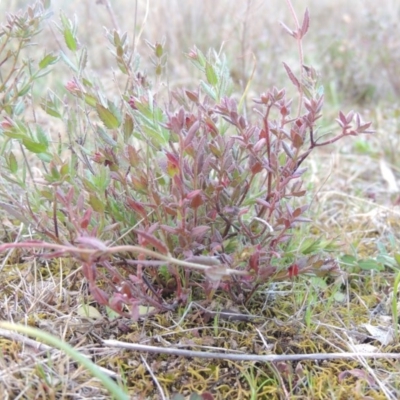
(160, 201)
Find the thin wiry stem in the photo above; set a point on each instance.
(300, 50)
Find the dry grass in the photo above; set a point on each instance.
(354, 203)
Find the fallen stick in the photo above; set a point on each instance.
(245, 357)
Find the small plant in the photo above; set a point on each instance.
(161, 203)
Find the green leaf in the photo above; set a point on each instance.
(12, 162)
(47, 60)
(83, 60)
(201, 58)
(14, 135)
(45, 157)
(70, 40)
(87, 311)
(177, 396)
(69, 36)
(310, 246)
(319, 283)
(19, 108)
(55, 175)
(211, 75)
(90, 100)
(50, 109)
(25, 89)
(348, 259)
(42, 137)
(208, 89)
(51, 105)
(68, 61)
(105, 137)
(386, 260)
(97, 204)
(195, 396)
(397, 258)
(115, 111)
(110, 120)
(339, 297)
(111, 314)
(34, 147)
(128, 127)
(370, 264)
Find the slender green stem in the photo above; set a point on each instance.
(116, 391)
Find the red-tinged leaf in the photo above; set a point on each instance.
(117, 303)
(306, 23)
(342, 118)
(289, 209)
(86, 218)
(263, 134)
(363, 128)
(256, 168)
(260, 145)
(298, 173)
(291, 76)
(285, 369)
(172, 159)
(137, 207)
(196, 201)
(273, 162)
(191, 133)
(172, 169)
(199, 230)
(99, 295)
(170, 229)
(297, 141)
(206, 396)
(254, 261)
(300, 210)
(342, 125)
(357, 373)
(293, 270)
(350, 116)
(172, 165)
(284, 238)
(307, 105)
(263, 203)
(139, 184)
(211, 126)
(192, 96)
(134, 311)
(170, 211)
(266, 272)
(193, 194)
(212, 214)
(287, 150)
(153, 241)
